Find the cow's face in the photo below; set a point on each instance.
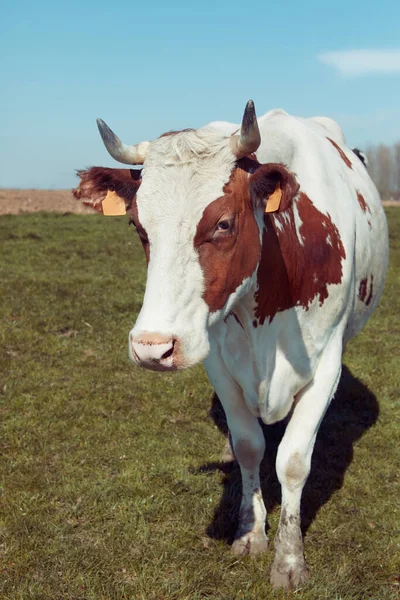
(199, 213)
(204, 248)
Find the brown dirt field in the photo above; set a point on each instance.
(20, 201)
(391, 203)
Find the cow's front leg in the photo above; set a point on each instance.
(289, 569)
(248, 445)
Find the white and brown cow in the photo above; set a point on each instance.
(267, 251)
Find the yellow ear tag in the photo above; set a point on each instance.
(113, 205)
(274, 200)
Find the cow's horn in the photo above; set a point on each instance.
(249, 138)
(129, 155)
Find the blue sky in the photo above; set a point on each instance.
(149, 67)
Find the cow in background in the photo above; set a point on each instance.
(267, 250)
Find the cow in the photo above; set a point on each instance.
(267, 249)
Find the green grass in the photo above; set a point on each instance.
(111, 486)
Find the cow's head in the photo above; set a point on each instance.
(198, 206)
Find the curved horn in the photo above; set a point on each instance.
(129, 155)
(249, 138)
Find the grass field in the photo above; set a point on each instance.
(111, 485)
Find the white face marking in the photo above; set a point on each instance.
(182, 175)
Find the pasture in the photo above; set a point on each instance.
(111, 482)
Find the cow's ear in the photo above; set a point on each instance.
(273, 187)
(116, 187)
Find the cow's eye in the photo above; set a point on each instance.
(224, 227)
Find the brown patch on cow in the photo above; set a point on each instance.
(170, 133)
(368, 300)
(364, 206)
(97, 181)
(342, 154)
(227, 261)
(362, 203)
(363, 290)
(293, 271)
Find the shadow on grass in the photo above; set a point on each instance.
(352, 412)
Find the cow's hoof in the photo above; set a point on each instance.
(288, 573)
(250, 543)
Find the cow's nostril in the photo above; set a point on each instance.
(152, 349)
(169, 352)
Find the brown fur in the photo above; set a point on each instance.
(362, 203)
(291, 274)
(227, 261)
(363, 290)
(364, 206)
(95, 183)
(368, 300)
(342, 154)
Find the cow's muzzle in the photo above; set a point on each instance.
(155, 351)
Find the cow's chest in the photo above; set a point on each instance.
(269, 372)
